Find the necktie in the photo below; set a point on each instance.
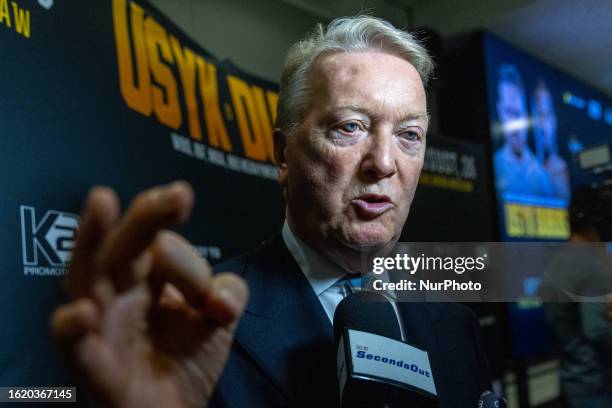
(333, 295)
(349, 283)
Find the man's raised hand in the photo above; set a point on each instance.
(148, 324)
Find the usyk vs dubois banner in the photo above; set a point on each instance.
(111, 92)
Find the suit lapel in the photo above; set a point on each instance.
(289, 337)
(429, 327)
(285, 329)
(421, 324)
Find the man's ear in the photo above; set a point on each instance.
(280, 150)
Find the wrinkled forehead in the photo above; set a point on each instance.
(379, 80)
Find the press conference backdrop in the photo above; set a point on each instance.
(111, 92)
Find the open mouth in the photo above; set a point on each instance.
(372, 205)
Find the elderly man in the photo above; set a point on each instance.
(151, 326)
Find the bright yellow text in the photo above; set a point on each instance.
(15, 18)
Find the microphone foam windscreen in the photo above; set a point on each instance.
(366, 311)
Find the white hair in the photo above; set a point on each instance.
(346, 34)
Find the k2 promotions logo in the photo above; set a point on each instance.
(47, 242)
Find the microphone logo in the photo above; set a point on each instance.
(488, 399)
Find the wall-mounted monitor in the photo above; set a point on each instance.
(540, 121)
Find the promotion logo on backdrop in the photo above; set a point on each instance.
(47, 242)
(210, 111)
(112, 92)
(161, 77)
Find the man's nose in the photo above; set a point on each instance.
(379, 161)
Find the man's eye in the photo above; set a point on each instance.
(350, 127)
(411, 136)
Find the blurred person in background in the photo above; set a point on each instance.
(516, 167)
(577, 284)
(544, 121)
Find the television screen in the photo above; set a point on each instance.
(549, 133)
(540, 121)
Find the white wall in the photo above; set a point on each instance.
(254, 35)
(451, 16)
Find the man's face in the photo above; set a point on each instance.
(512, 114)
(544, 118)
(352, 166)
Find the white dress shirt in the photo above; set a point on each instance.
(321, 273)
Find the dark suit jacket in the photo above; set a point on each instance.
(283, 353)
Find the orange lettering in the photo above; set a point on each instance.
(217, 133)
(248, 120)
(185, 60)
(138, 96)
(264, 120)
(272, 98)
(167, 107)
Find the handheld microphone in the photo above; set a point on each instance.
(375, 368)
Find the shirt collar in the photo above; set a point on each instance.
(320, 272)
